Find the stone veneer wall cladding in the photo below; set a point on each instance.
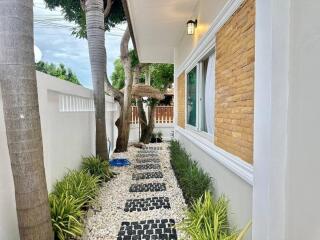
(181, 100)
(235, 43)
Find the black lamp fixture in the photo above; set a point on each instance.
(191, 25)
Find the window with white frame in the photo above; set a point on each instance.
(200, 95)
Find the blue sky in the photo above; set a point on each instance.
(53, 37)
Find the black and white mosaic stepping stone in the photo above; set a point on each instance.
(148, 230)
(144, 151)
(147, 175)
(148, 160)
(148, 187)
(147, 204)
(147, 166)
(153, 148)
(147, 155)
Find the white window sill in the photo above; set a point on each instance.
(233, 163)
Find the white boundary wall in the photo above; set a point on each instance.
(68, 131)
(165, 128)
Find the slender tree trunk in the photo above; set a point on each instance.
(142, 120)
(147, 126)
(22, 120)
(123, 122)
(96, 41)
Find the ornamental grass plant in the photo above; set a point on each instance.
(95, 166)
(207, 219)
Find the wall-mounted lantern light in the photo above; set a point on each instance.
(191, 25)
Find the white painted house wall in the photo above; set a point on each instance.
(68, 131)
(286, 160)
(303, 171)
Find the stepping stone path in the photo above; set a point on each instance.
(148, 160)
(147, 166)
(143, 202)
(148, 187)
(148, 229)
(153, 148)
(147, 175)
(146, 155)
(151, 229)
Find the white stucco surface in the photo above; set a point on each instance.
(67, 136)
(303, 192)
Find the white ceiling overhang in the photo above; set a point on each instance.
(158, 26)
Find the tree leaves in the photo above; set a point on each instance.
(57, 71)
(73, 13)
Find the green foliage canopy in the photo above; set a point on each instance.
(73, 13)
(57, 71)
(117, 76)
(161, 75)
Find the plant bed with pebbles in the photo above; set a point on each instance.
(107, 223)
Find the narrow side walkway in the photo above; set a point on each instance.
(142, 202)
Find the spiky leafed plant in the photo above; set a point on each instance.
(208, 220)
(95, 166)
(66, 216)
(80, 185)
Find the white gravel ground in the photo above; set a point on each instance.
(106, 224)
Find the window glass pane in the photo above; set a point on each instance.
(192, 97)
(203, 125)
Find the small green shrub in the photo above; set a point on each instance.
(208, 220)
(95, 166)
(66, 216)
(191, 178)
(79, 185)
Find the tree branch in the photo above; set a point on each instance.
(110, 90)
(108, 8)
(124, 50)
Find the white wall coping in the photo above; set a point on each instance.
(234, 164)
(62, 86)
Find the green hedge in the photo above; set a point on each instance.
(193, 181)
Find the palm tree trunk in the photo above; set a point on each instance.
(97, 53)
(124, 124)
(22, 120)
